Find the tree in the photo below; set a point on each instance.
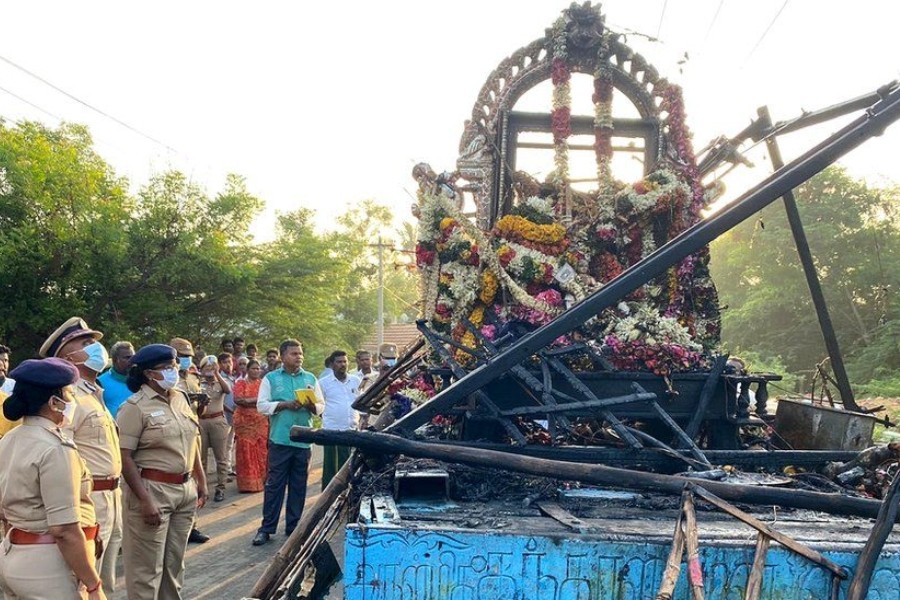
(62, 214)
(854, 238)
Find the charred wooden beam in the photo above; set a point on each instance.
(598, 474)
(865, 566)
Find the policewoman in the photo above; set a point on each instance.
(48, 550)
(160, 439)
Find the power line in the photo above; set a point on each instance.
(29, 103)
(766, 32)
(711, 23)
(662, 16)
(80, 101)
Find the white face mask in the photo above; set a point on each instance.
(170, 378)
(68, 410)
(97, 357)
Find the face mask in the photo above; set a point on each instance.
(184, 363)
(97, 357)
(170, 378)
(68, 410)
(390, 362)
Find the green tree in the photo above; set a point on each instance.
(62, 216)
(854, 238)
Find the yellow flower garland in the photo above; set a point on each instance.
(552, 233)
(489, 286)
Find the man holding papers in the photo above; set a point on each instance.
(289, 396)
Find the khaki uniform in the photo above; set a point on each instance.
(162, 434)
(214, 432)
(60, 495)
(94, 432)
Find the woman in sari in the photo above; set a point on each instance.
(251, 432)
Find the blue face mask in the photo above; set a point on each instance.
(184, 363)
(390, 362)
(97, 357)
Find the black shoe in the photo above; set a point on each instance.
(219, 496)
(260, 538)
(197, 537)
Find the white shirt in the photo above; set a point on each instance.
(266, 406)
(339, 397)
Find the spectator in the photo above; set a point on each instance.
(367, 375)
(241, 370)
(6, 383)
(227, 345)
(339, 390)
(327, 370)
(199, 354)
(272, 360)
(252, 352)
(237, 345)
(226, 369)
(115, 391)
(288, 460)
(251, 432)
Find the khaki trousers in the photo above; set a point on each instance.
(37, 572)
(214, 434)
(154, 556)
(108, 506)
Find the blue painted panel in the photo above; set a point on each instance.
(427, 564)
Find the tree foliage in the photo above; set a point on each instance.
(854, 237)
(172, 260)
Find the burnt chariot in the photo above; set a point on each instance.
(571, 339)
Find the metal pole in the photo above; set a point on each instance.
(876, 119)
(380, 325)
(809, 270)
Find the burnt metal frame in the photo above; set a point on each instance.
(878, 116)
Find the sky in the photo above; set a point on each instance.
(324, 104)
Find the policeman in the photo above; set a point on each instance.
(189, 382)
(49, 546)
(213, 426)
(160, 440)
(387, 356)
(94, 431)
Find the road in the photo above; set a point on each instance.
(227, 566)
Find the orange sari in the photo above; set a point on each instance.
(251, 439)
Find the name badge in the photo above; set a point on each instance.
(157, 413)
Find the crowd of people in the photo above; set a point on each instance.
(107, 451)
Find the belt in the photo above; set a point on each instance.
(105, 484)
(22, 537)
(164, 477)
(212, 415)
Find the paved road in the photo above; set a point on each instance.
(227, 566)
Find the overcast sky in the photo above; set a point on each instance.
(322, 104)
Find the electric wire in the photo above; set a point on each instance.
(662, 17)
(766, 32)
(711, 23)
(88, 105)
(31, 104)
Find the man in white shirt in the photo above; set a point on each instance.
(6, 383)
(367, 375)
(340, 390)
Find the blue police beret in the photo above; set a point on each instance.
(153, 354)
(51, 373)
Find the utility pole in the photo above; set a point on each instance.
(380, 325)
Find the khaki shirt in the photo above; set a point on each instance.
(61, 492)
(161, 432)
(216, 397)
(94, 431)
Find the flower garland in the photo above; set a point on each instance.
(603, 120)
(561, 114)
(519, 228)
